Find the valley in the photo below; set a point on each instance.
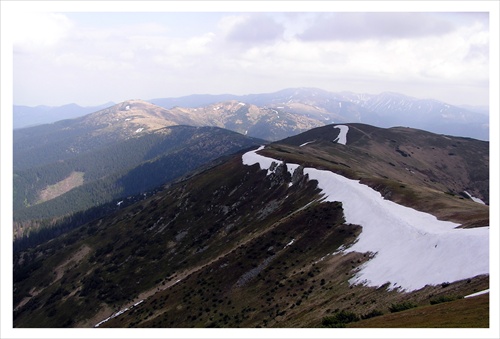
(279, 238)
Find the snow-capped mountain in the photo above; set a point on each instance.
(303, 108)
(397, 108)
(343, 219)
(384, 110)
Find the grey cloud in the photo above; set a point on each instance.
(362, 26)
(256, 28)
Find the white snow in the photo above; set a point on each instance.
(139, 130)
(306, 143)
(290, 243)
(118, 313)
(411, 248)
(474, 198)
(477, 293)
(342, 137)
(340, 104)
(119, 203)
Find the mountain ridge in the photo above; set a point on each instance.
(136, 165)
(375, 109)
(251, 245)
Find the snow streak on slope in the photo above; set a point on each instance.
(412, 249)
(479, 201)
(342, 137)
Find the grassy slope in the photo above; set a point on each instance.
(461, 313)
(212, 252)
(428, 179)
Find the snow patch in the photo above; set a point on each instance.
(306, 143)
(477, 293)
(410, 248)
(289, 244)
(139, 130)
(474, 198)
(120, 312)
(342, 137)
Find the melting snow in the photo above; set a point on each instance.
(477, 293)
(118, 313)
(306, 143)
(412, 249)
(474, 198)
(290, 243)
(342, 137)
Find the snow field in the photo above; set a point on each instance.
(412, 249)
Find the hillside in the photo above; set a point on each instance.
(45, 144)
(386, 109)
(121, 169)
(26, 116)
(256, 242)
(397, 158)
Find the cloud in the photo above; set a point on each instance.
(363, 26)
(39, 30)
(254, 28)
(252, 52)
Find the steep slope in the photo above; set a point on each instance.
(65, 139)
(119, 170)
(387, 159)
(252, 242)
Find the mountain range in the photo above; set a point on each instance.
(80, 171)
(26, 116)
(333, 226)
(316, 107)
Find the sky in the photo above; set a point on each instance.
(93, 55)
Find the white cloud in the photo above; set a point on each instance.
(39, 30)
(248, 53)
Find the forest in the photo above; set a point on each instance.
(116, 171)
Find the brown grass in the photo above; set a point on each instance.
(461, 313)
(75, 179)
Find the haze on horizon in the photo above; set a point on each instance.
(91, 58)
